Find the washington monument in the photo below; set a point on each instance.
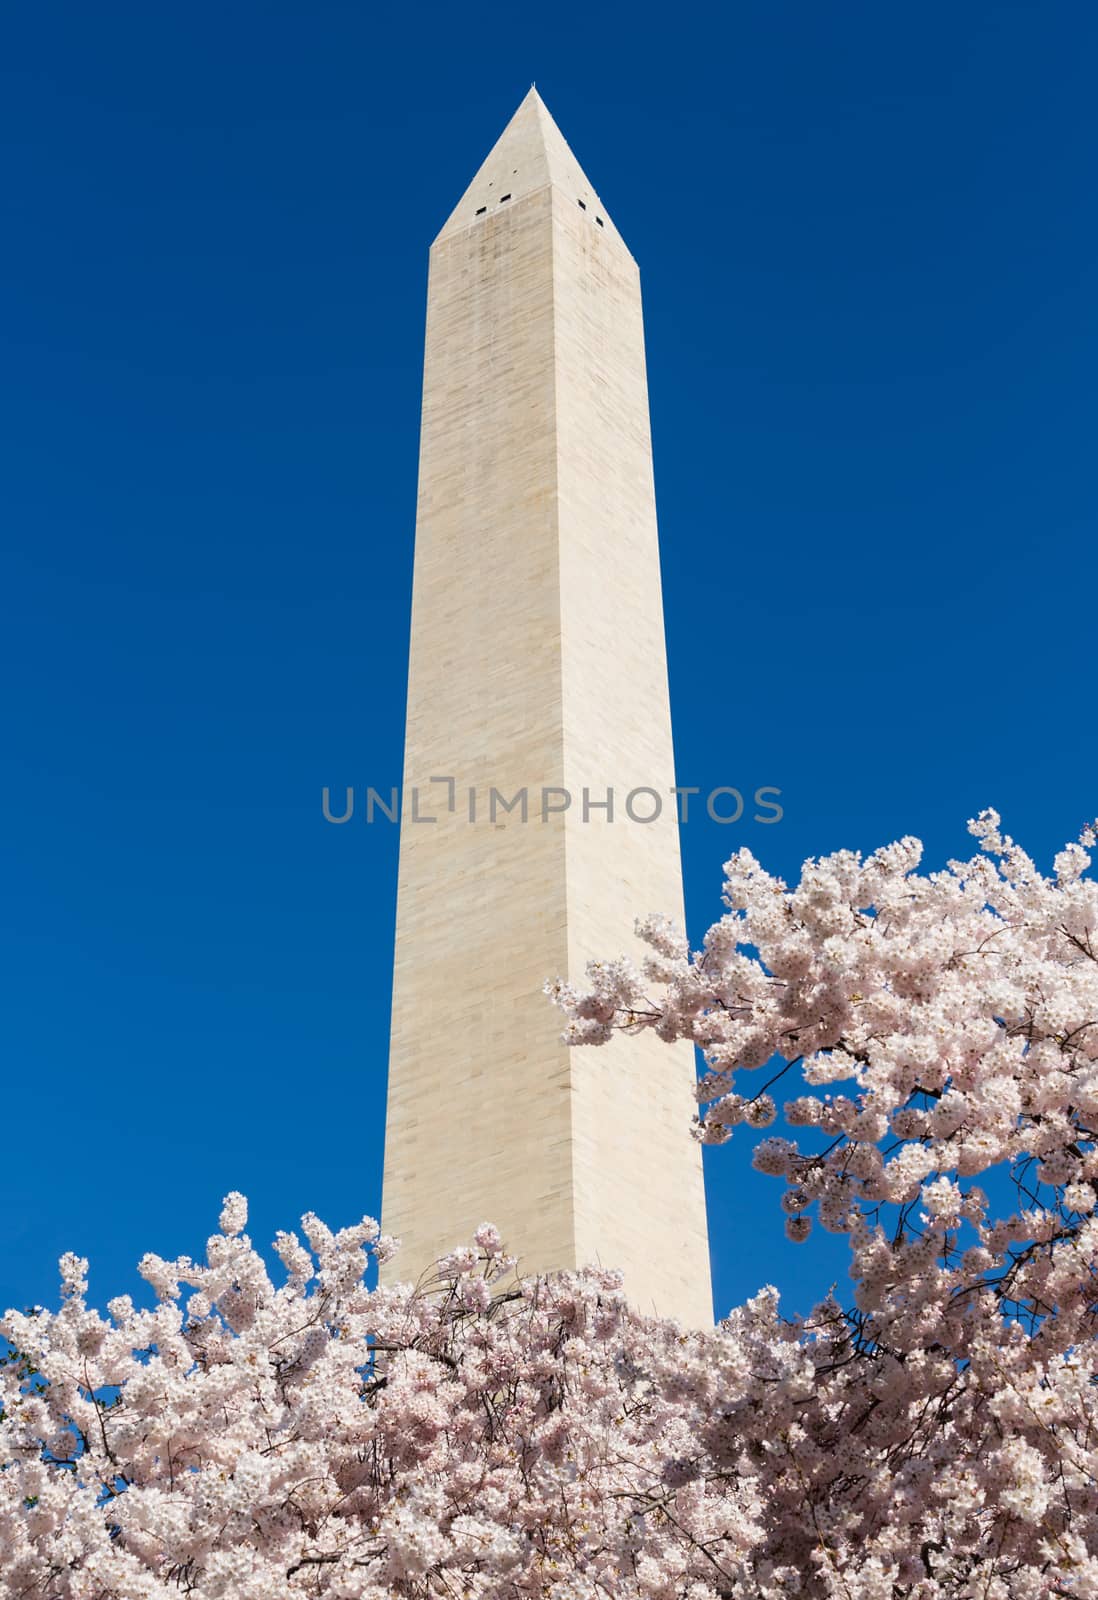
(538, 667)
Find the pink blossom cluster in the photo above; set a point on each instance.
(476, 1435)
(959, 1010)
(471, 1436)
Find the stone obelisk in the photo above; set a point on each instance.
(538, 670)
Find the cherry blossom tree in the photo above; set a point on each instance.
(471, 1435)
(484, 1436)
(961, 1008)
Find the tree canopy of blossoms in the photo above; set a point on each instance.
(473, 1435)
(961, 1010)
(481, 1436)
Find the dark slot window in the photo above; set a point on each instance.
(504, 197)
(481, 210)
(600, 222)
(582, 204)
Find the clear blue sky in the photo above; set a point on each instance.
(868, 247)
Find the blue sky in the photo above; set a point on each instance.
(868, 252)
